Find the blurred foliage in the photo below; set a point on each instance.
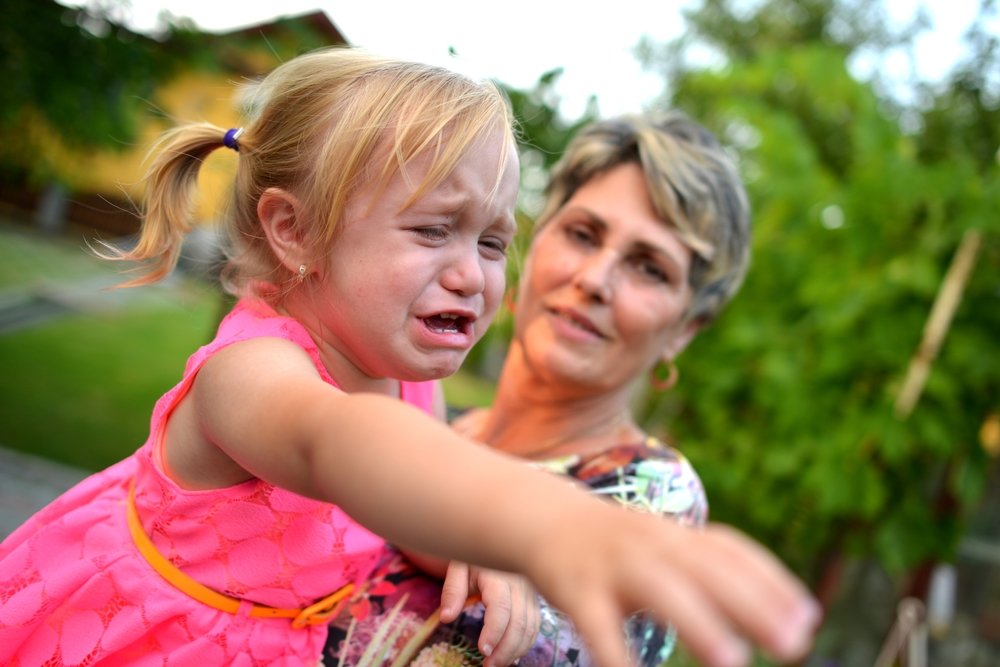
(786, 405)
(51, 68)
(77, 74)
(80, 74)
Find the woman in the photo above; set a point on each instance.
(644, 239)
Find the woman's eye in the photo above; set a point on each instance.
(652, 271)
(581, 234)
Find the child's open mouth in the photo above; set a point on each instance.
(448, 323)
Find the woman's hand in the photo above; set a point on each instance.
(512, 616)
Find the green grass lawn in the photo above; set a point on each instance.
(80, 387)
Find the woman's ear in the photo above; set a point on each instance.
(278, 211)
(680, 339)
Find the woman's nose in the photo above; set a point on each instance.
(596, 274)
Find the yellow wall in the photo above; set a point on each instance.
(190, 97)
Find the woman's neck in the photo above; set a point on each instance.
(532, 423)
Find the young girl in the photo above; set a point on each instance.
(370, 216)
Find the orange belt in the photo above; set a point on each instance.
(315, 614)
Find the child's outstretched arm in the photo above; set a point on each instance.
(412, 480)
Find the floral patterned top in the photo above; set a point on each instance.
(396, 622)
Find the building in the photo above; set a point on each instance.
(54, 184)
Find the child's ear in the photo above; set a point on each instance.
(278, 211)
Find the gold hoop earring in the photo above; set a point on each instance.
(659, 383)
(302, 272)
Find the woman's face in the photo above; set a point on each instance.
(604, 288)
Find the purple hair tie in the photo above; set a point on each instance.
(229, 141)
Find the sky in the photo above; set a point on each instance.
(517, 41)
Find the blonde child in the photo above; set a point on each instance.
(369, 220)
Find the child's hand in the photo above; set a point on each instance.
(718, 588)
(512, 617)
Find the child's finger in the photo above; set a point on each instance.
(533, 618)
(498, 622)
(773, 609)
(698, 620)
(522, 628)
(599, 623)
(724, 585)
(454, 591)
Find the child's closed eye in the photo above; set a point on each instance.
(493, 247)
(432, 233)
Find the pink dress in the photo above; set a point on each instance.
(74, 589)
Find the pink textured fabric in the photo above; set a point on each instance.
(75, 591)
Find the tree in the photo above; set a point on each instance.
(79, 77)
(77, 73)
(861, 202)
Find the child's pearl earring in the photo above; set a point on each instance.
(302, 272)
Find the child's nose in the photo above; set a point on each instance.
(464, 275)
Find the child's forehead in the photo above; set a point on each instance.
(433, 166)
(479, 181)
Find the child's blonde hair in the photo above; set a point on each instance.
(319, 126)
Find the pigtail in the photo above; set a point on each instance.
(171, 183)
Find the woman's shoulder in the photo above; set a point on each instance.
(655, 450)
(649, 453)
(649, 475)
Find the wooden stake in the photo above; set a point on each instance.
(945, 304)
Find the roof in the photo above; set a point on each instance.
(317, 20)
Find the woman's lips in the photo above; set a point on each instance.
(573, 320)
